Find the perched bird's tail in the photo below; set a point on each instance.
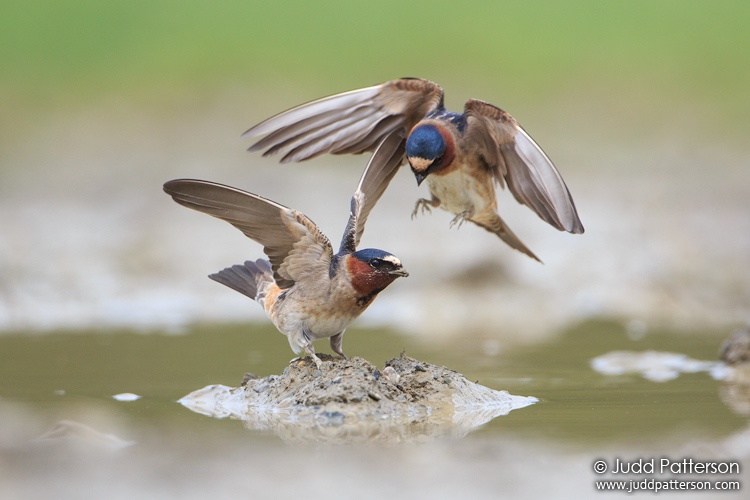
(494, 224)
(251, 279)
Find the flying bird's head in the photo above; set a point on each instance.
(429, 148)
(371, 270)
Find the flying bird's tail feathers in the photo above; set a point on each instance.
(494, 224)
(250, 279)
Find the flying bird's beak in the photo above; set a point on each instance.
(399, 272)
(419, 166)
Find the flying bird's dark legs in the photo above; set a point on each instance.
(425, 205)
(459, 219)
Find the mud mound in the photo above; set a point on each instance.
(350, 400)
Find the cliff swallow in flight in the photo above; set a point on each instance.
(464, 156)
(307, 291)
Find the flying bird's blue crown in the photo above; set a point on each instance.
(426, 142)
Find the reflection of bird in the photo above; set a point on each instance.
(307, 291)
(463, 156)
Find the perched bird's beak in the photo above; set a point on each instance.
(420, 178)
(399, 272)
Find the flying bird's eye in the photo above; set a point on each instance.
(376, 263)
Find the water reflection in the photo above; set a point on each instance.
(81, 435)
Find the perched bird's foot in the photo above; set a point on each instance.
(315, 359)
(318, 362)
(422, 206)
(459, 219)
(336, 344)
(311, 352)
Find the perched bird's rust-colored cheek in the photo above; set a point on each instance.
(419, 164)
(372, 283)
(365, 280)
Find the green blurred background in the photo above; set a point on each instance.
(70, 53)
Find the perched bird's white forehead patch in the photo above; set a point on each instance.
(393, 260)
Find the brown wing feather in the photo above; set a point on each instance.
(295, 246)
(350, 122)
(514, 156)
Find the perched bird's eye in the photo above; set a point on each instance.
(376, 263)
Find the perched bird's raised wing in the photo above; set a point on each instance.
(375, 179)
(293, 243)
(514, 156)
(351, 122)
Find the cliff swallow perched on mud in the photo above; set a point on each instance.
(463, 156)
(307, 291)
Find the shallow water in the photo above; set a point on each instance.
(71, 377)
(50, 372)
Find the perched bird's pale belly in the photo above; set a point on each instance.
(320, 318)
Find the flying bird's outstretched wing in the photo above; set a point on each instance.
(516, 159)
(350, 122)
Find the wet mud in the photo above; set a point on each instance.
(352, 400)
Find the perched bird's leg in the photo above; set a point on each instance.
(462, 217)
(336, 342)
(310, 350)
(424, 204)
